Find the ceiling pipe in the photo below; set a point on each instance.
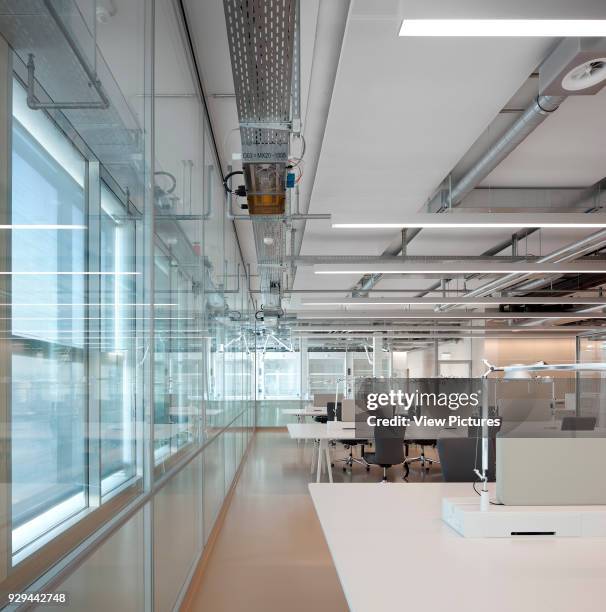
(510, 242)
(561, 255)
(424, 292)
(312, 260)
(431, 316)
(592, 193)
(331, 327)
(527, 123)
(588, 310)
(530, 119)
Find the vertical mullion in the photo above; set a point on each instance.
(5, 323)
(147, 361)
(93, 310)
(577, 386)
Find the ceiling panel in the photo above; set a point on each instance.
(402, 116)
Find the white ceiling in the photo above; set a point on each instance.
(404, 112)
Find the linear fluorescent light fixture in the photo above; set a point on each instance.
(51, 273)
(487, 28)
(464, 268)
(431, 314)
(72, 304)
(477, 221)
(51, 226)
(473, 301)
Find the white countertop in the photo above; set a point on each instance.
(307, 411)
(319, 431)
(393, 552)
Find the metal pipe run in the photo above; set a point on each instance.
(562, 255)
(532, 117)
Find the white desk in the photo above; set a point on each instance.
(304, 412)
(417, 562)
(321, 433)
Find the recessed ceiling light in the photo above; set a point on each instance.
(552, 28)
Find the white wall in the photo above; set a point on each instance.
(420, 363)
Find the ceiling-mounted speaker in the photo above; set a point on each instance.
(577, 67)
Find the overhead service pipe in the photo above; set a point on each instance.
(527, 123)
(562, 255)
(535, 286)
(530, 119)
(510, 242)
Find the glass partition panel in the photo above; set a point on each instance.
(281, 375)
(48, 337)
(325, 371)
(101, 248)
(117, 343)
(214, 483)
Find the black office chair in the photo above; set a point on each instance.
(389, 449)
(349, 444)
(349, 460)
(425, 461)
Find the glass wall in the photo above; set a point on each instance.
(289, 379)
(589, 398)
(326, 371)
(128, 345)
(48, 391)
(279, 375)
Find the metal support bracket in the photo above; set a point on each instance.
(35, 104)
(280, 126)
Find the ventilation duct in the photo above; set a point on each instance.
(576, 67)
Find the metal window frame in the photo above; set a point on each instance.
(5, 287)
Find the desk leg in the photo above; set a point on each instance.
(328, 466)
(320, 460)
(313, 456)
